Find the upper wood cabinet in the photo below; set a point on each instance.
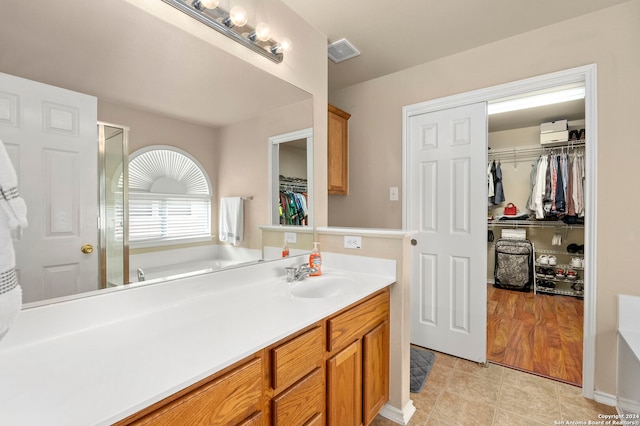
(338, 151)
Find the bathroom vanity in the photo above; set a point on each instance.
(285, 382)
(239, 346)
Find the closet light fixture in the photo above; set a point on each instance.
(233, 24)
(539, 98)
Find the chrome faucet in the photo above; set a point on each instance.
(140, 274)
(299, 273)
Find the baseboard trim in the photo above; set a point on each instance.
(397, 415)
(605, 398)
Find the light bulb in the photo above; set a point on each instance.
(238, 16)
(263, 31)
(285, 45)
(209, 4)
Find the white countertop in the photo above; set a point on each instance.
(98, 359)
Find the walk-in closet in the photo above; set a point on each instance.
(535, 175)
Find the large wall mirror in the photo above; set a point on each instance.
(163, 86)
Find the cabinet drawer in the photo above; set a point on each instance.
(296, 358)
(301, 402)
(227, 400)
(352, 324)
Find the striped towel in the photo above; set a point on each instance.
(13, 213)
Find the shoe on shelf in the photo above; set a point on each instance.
(543, 260)
(572, 248)
(549, 273)
(552, 261)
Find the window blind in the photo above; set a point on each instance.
(158, 217)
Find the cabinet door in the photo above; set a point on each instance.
(375, 366)
(344, 387)
(338, 151)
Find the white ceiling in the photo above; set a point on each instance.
(413, 32)
(124, 55)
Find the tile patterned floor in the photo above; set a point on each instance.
(460, 392)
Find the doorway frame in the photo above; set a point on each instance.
(274, 174)
(584, 74)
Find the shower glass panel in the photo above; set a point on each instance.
(114, 215)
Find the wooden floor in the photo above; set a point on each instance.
(537, 333)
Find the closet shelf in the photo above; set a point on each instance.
(560, 291)
(534, 149)
(534, 224)
(560, 266)
(560, 252)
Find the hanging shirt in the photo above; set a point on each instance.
(490, 181)
(538, 196)
(499, 189)
(559, 196)
(571, 209)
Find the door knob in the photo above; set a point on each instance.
(413, 242)
(87, 248)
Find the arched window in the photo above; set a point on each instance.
(169, 197)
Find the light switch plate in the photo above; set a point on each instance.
(393, 193)
(290, 237)
(352, 242)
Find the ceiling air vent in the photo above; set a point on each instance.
(342, 50)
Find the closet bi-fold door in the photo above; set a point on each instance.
(447, 190)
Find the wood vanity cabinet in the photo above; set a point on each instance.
(333, 372)
(338, 151)
(358, 362)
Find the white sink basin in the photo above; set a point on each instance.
(322, 287)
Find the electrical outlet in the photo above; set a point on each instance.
(352, 242)
(290, 237)
(393, 193)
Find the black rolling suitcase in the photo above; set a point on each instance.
(514, 266)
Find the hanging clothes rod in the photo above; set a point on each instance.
(535, 149)
(531, 152)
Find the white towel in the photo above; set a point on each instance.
(231, 220)
(10, 200)
(13, 213)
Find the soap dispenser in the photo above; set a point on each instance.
(315, 260)
(285, 248)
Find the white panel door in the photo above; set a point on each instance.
(447, 187)
(51, 136)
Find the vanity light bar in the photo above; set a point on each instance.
(271, 51)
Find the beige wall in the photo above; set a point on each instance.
(608, 38)
(293, 161)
